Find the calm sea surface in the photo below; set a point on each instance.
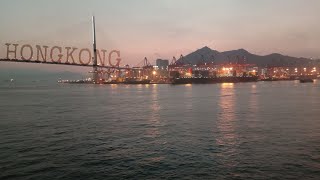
(264, 130)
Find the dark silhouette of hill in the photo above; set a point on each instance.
(206, 54)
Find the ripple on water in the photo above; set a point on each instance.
(220, 131)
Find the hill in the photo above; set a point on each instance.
(206, 54)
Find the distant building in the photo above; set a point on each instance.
(162, 64)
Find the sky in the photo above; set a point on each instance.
(165, 28)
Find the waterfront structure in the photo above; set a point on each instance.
(162, 64)
(95, 69)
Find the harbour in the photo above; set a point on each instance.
(222, 90)
(184, 70)
(150, 131)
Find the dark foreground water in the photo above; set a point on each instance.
(264, 130)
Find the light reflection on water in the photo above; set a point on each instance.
(153, 132)
(226, 117)
(154, 120)
(188, 96)
(227, 138)
(253, 103)
(114, 86)
(263, 130)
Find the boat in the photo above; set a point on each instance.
(235, 79)
(211, 80)
(268, 79)
(194, 80)
(136, 81)
(276, 79)
(306, 80)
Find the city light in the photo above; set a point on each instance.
(154, 72)
(227, 69)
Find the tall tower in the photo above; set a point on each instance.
(95, 70)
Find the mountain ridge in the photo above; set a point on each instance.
(206, 54)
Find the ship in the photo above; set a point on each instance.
(306, 80)
(136, 81)
(194, 80)
(111, 82)
(237, 79)
(212, 80)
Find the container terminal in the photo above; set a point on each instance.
(177, 72)
(182, 72)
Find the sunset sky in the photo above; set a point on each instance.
(166, 28)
